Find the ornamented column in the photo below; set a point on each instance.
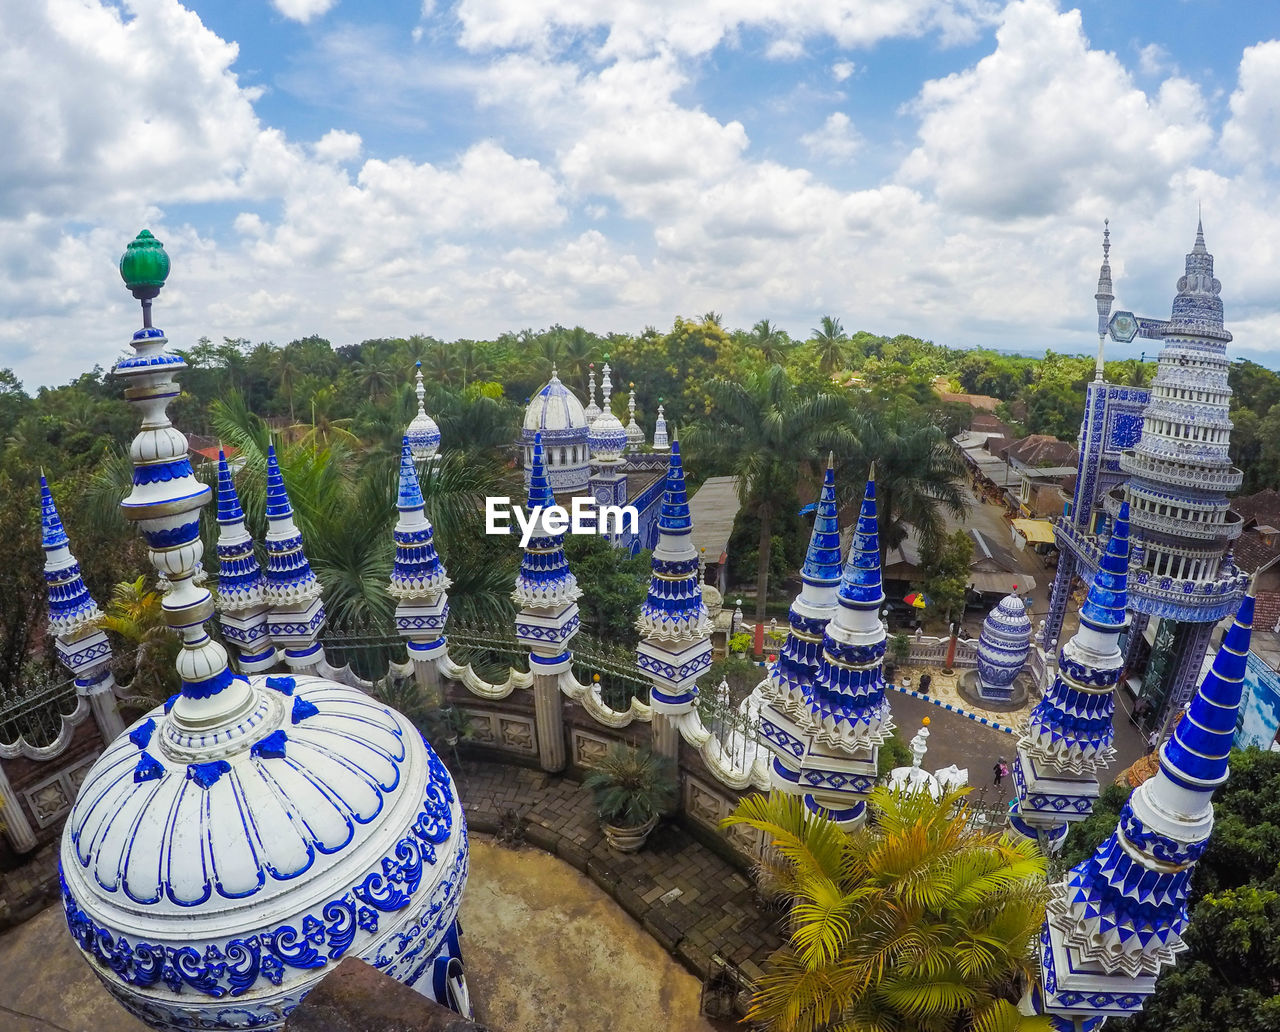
(635, 435)
(1068, 736)
(82, 646)
(418, 579)
(297, 610)
(1117, 919)
(592, 410)
(242, 603)
(547, 593)
(784, 717)
(660, 442)
(165, 503)
(423, 434)
(675, 634)
(849, 715)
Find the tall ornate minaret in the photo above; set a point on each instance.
(1067, 740)
(788, 689)
(592, 410)
(243, 610)
(1180, 474)
(675, 642)
(1116, 920)
(1104, 296)
(660, 442)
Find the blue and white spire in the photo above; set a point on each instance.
(675, 645)
(546, 590)
(419, 582)
(635, 435)
(1003, 646)
(789, 687)
(848, 714)
(423, 434)
(1068, 737)
(292, 589)
(82, 646)
(1103, 297)
(241, 594)
(592, 410)
(1116, 920)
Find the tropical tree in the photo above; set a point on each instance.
(920, 477)
(135, 613)
(772, 342)
(832, 344)
(917, 922)
(764, 431)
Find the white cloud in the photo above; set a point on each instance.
(1252, 132)
(841, 70)
(836, 140)
(638, 27)
(1153, 59)
(1044, 119)
(338, 145)
(784, 50)
(303, 10)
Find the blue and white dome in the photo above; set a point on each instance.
(607, 438)
(1002, 648)
(209, 877)
(557, 415)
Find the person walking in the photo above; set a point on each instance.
(1153, 740)
(999, 771)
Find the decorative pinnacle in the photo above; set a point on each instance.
(1106, 240)
(540, 493)
(229, 510)
(860, 587)
(1199, 247)
(1104, 609)
(54, 536)
(144, 267)
(822, 561)
(675, 518)
(278, 507)
(410, 493)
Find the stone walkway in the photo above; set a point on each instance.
(693, 902)
(28, 889)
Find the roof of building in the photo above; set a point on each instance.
(555, 409)
(1038, 450)
(714, 507)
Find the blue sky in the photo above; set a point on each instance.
(937, 167)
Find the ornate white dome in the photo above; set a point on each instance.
(423, 433)
(607, 438)
(212, 879)
(712, 599)
(556, 413)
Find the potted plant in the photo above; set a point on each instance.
(632, 788)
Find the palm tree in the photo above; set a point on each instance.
(832, 344)
(578, 349)
(374, 375)
(766, 432)
(918, 922)
(919, 477)
(772, 342)
(287, 372)
(135, 613)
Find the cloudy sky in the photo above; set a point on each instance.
(464, 167)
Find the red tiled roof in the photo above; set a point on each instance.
(1042, 450)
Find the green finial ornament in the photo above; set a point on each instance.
(144, 266)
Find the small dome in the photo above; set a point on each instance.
(556, 413)
(424, 437)
(713, 600)
(607, 438)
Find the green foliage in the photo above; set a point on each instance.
(613, 587)
(631, 785)
(946, 574)
(893, 753)
(899, 649)
(916, 922)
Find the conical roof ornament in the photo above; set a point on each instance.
(635, 435)
(243, 612)
(72, 610)
(292, 589)
(1117, 919)
(660, 442)
(419, 583)
(423, 434)
(592, 410)
(545, 580)
(606, 387)
(675, 644)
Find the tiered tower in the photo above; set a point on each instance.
(635, 435)
(228, 850)
(660, 442)
(419, 582)
(292, 589)
(1117, 919)
(675, 642)
(1172, 467)
(592, 410)
(1067, 740)
(1003, 646)
(788, 689)
(244, 612)
(826, 720)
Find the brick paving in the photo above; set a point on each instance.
(26, 890)
(692, 901)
